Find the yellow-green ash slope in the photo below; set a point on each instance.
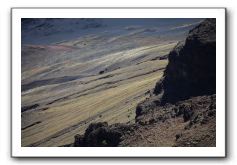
(68, 85)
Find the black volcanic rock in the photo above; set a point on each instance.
(191, 70)
(102, 135)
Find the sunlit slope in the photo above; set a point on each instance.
(68, 107)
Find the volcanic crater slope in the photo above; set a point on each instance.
(182, 109)
(75, 72)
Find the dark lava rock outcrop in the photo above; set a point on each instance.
(191, 70)
(102, 135)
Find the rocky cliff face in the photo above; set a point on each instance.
(182, 112)
(192, 66)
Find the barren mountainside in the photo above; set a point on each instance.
(182, 109)
(117, 82)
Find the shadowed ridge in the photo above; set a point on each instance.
(191, 70)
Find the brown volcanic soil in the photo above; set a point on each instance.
(189, 123)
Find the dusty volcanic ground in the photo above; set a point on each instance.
(188, 123)
(96, 77)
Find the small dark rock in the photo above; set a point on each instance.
(151, 121)
(78, 141)
(187, 112)
(187, 115)
(177, 136)
(211, 113)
